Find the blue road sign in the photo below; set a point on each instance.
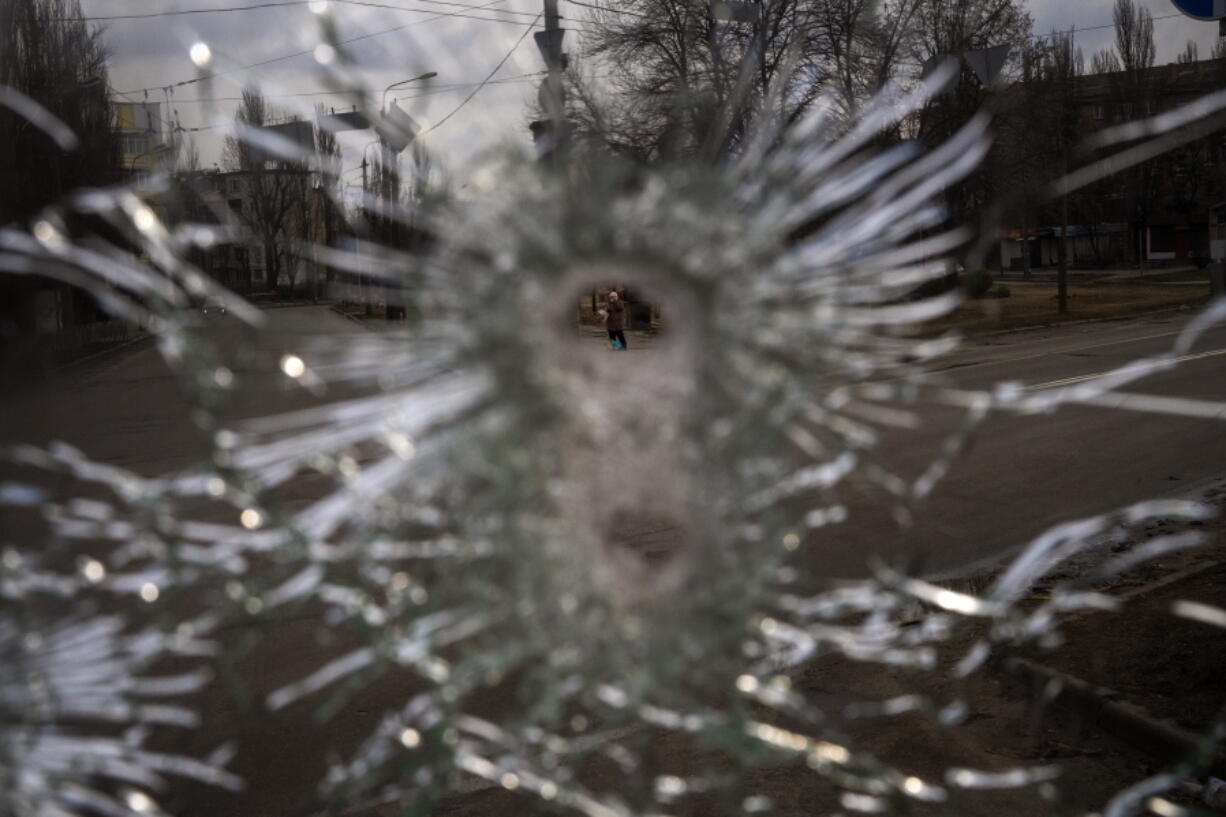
(1202, 9)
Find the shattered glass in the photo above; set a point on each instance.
(478, 563)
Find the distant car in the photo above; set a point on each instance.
(214, 305)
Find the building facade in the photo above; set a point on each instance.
(143, 137)
(303, 220)
(1157, 211)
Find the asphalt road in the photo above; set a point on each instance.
(1026, 473)
(1021, 475)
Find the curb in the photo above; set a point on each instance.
(974, 577)
(146, 335)
(110, 350)
(348, 317)
(1107, 709)
(1079, 322)
(291, 305)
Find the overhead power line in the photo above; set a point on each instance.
(1079, 29)
(284, 3)
(436, 16)
(171, 125)
(214, 74)
(433, 90)
(626, 12)
(484, 82)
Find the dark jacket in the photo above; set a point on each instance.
(617, 316)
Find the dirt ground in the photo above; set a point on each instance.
(1179, 276)
(1167, 670)
(1167, 667)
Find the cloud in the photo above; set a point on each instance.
(400, 44)
(149, 56)
(1172, 30)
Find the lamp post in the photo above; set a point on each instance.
(383, 101)
(390, 183)
(390, 173)
(151, 151)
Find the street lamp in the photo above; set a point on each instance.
(390, 183)
(383, 102)
(155, 149)
(388, 133)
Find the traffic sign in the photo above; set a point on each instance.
(1202, 9)
(397, 129)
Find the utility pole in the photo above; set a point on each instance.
(390, 192)
(1062, 269)
(735, 99)
(365, 199)
(551, 133)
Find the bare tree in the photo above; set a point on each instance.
(953, 27)
(866, 40)
(1039, 126)
(950, 29)
(189, 155)
(1190, 53)
(1134, 35)
(684, 83)
(1060, 66)
(299, 224)
(426, 174)
(59, 62)
(272, 185)
(1104, 61)
(1134, 41)
(49, 54)
(1219, 48)
(327, 193)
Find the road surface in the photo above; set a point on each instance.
(1022, 475)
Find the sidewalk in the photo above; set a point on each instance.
(636, 340)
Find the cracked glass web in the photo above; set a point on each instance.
(431, 531)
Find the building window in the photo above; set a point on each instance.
(236, 206)
(135, 143)
(234, 186)
(1100, 112)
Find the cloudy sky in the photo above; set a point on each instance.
(462, 40)
(1092, 20)
(273, 47)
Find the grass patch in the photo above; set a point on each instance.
(1035, 305)
(358, 310)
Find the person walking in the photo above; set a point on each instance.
(615, 323)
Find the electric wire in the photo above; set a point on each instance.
(304, 52)
(484, 82)
(433, 90)
(284, 3)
